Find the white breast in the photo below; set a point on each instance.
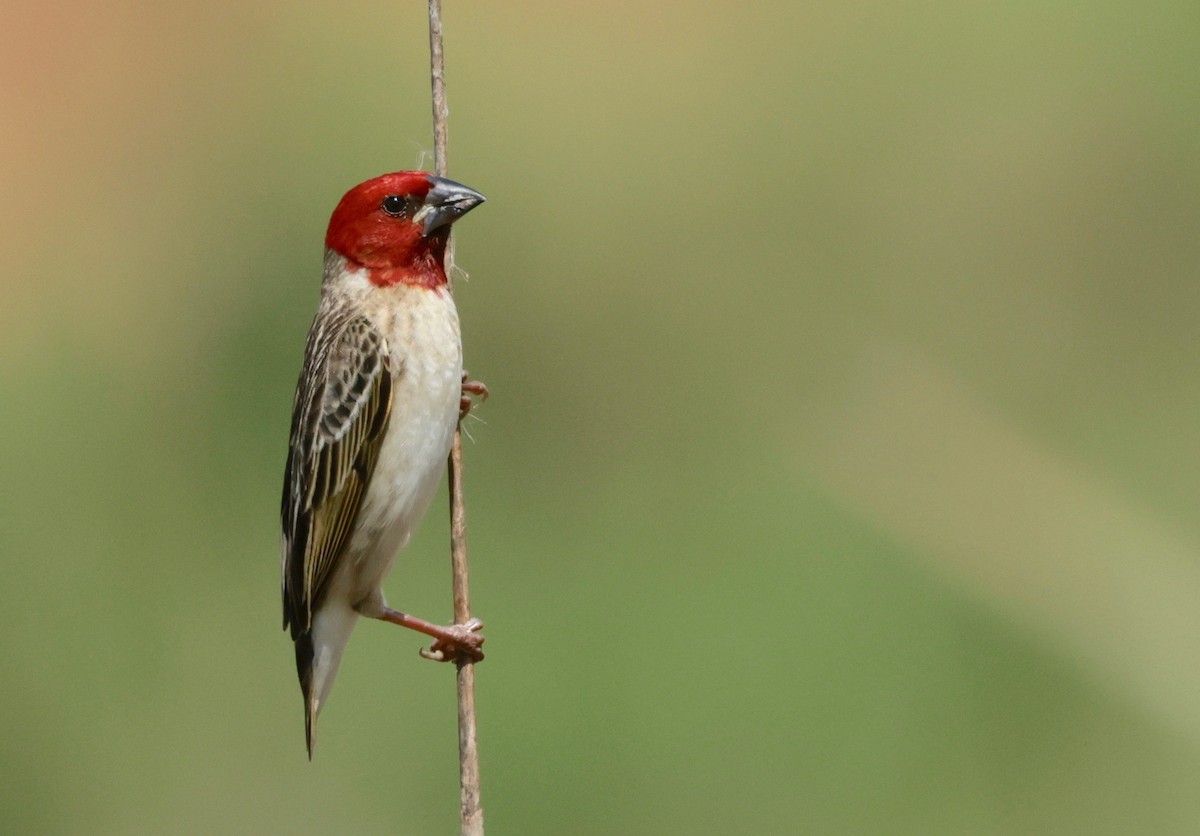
(422, 332)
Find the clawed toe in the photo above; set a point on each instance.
(461, 643)
(470, 388)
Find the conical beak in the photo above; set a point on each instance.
(445, 203)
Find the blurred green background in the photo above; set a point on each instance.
(841, 467)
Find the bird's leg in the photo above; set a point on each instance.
(469, 388)
(456, 643)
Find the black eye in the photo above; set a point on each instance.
(393, 204)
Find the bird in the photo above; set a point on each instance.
(380, 394)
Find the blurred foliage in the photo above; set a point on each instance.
(841, 467)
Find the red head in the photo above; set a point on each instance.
(397, 225)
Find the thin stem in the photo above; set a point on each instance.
(470, 804)
(441, 112)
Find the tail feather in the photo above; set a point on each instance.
(304, 667)
(318, 652)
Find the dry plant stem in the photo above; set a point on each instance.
(470, 803)
(471, 807)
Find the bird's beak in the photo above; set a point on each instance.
(445, 203)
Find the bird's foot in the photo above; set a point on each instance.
(459, 643)
(470, 387)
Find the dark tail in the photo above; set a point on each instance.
(304, 667)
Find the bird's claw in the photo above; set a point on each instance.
(461, 643)
(470, 387)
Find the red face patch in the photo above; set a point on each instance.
(372, 226)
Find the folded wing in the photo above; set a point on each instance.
(339, 418)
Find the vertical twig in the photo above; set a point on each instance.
(471, 807)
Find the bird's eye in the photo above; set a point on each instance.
(393, 204)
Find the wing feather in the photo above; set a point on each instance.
(339, 418)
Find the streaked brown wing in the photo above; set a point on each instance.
(341, 410)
